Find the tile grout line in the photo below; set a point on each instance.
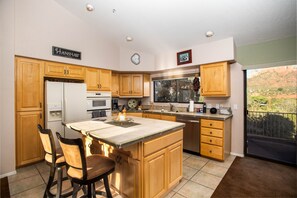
(26, 190)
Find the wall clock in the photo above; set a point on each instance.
(135, 59)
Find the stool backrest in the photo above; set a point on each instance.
(74, 154)
(48, 143)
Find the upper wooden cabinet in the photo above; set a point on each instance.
(131, 85)
(98, 79)
(105, 79)
(115, 88)
(215, 79)
(61, 70)
(146, 85)
(29, 84)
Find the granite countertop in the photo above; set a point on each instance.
(194, 114)
(141, 129)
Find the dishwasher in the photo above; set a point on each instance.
(191, 139)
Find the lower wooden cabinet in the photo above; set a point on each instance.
(155, 173)
(215, 140)
(175, 158)
(29, 147)
(145, 169)
(159, 116)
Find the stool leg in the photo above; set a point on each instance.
(59, 182)
(106, 185)
(94, 190)
(50, 182)
(89, 190)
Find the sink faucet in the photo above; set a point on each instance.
(171, 107)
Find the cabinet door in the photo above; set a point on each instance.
(92, 79)
(115, 85)
(28, 144)
(125, 85)
(29, 84)
(75, 72)
(137, 84)
(55, 69)
(215, 79)
(175, 171)
(168, 118)
(155, 174)
(105, 80)
(154, 116)
(146, 85)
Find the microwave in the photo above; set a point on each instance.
(98, 100)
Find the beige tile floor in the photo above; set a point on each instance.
(201, 176)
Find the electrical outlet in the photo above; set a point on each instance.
(208, 106)
(217, 106)
(235, 106)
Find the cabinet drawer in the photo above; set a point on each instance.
(212, 140)
(162, 142)
(212, 132)
(212, 123)
(211, 151)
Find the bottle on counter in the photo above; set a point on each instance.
(204, 107)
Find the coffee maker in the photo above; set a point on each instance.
(115, 104)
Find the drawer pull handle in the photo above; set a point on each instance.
(210, 124)
(210, 132)
(210, 151)
(210, 140)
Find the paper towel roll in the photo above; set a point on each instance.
(191, 107)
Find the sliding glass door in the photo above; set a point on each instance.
(270, 120)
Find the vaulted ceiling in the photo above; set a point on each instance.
(158, 25)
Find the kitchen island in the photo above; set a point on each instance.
(147, 152)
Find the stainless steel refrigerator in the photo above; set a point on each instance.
(64, 103)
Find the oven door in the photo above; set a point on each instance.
(98, 103)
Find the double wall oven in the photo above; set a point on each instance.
(99, 105)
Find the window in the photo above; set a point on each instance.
(176, 90)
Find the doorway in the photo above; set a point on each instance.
(270, 113)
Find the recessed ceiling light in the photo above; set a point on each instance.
(129, 38)
(209, 34)
(90, 7)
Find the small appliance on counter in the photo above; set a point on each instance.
(201, 107)
(213, 110)
(115, 104)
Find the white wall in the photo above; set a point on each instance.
(147, 61)
(7, 128)
(41, 24)
(215, 51)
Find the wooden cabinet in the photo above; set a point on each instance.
(215, 79)
(61, 70)
(215, 138)
(162, 164)
(28, 143)
(159, 116)
(29, 84)
(115, 88)
(145, 169)
(98, 79)
(131, 85)
(146, 85)
(29, 110)
(174, 163)
(155, 173)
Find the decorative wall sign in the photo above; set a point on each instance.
(58, 51)
(184, 57)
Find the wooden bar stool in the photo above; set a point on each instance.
(55, 159)
(84, 170)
